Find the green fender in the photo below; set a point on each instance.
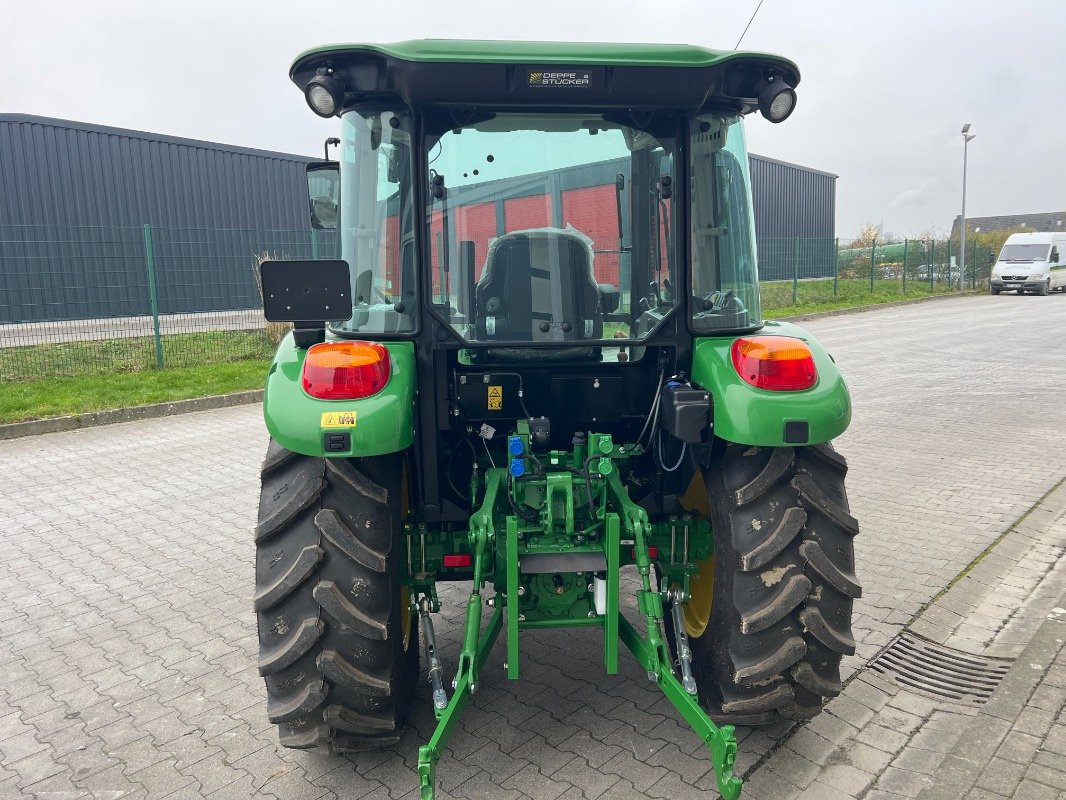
(383, 423)
(746, 415)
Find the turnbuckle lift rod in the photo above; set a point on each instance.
(429, 644)
(684, 652)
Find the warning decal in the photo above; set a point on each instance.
(337, 419)
(495, 398)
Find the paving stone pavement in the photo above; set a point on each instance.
(1016, 745)
(128, 644)
(905, 743)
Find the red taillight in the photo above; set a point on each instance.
(777, 363)
(345, 370)
(653, 553)
(458, 560)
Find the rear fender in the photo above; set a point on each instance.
(746, 415)
(376, 425)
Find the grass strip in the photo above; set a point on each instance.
(54, 397)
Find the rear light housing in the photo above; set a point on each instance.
(454, 560)
(345, 370)
(774, 363)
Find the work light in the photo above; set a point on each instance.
(776, 100)
(324, 93)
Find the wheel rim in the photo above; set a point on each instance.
(697, 611)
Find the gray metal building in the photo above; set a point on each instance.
(56, 172)
(74, 200)
(1043, 221)
(75, 197)
(793, 203)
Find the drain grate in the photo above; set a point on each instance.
(942, 672)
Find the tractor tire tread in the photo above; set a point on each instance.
(330, 524)
(304, 739)
(842, 581)
(786, 530)
(307, 700)
(784, 584)
(752, 671)
(779, 462)
(828, 456)
(349, 721)
(789, 593)
(339, 670)
(309, 487)
(808, 677)
(769, 700)
(358, 481)
(290, 649)
(338, 674)
(276, 457)
(818, 627)
(815, 498)
(299, 571)
(333, 602)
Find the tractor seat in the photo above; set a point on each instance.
(538, 286)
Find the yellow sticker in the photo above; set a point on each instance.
(337, 419)
(495, 398)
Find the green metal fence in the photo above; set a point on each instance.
(87, 300)
(819, 273)
(77, 301)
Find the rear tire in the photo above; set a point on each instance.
(338, 646)
(784, 584)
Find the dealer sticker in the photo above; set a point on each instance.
(559, 79)
(337, 419)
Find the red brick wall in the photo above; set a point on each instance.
(521, 213)
(476, 223)
(592, 211)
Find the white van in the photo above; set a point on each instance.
(1031, 262)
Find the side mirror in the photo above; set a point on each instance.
(1054, 257)
(324, 193)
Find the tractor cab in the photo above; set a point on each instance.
(581, 211)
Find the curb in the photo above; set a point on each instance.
(15, 430)
(842, 312)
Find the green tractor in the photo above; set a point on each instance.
(540, 359)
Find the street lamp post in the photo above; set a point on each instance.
(966, 136)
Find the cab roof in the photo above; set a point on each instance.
(496, 73)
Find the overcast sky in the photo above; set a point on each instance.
(886, 85)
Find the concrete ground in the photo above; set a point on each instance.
(20, 334)
(128, 645)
